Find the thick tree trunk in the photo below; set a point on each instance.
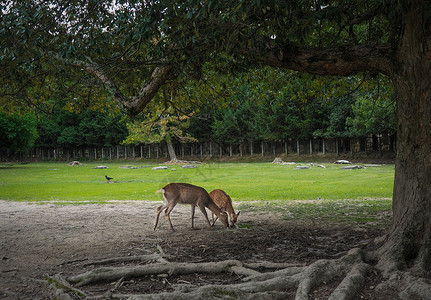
(409, 240)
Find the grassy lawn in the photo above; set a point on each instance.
(243, 181)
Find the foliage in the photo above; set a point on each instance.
(372, 117)
(70, 49)
(271, 104)
(159, 126)
(340, 110)
(17, 132)
(52, 53)
(88, 128)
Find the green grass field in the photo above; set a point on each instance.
(243, 181)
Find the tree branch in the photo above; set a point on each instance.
(340, 61)
(136, 104)
(158, 78)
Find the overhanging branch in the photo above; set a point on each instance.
(160, 75)
(339, 61)
(133, 105)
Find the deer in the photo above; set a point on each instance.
(185, 193)
(223, 200)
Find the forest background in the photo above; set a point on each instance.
(261, 104)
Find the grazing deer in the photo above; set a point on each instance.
(224, 201)
(185, 193)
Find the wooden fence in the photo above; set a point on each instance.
(330, 147)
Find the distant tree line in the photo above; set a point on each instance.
(300, 109)
(241, 121)
(62, 128)
(262, 104)
(275, 105)
(87, 128)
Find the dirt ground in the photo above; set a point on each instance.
(46, 239)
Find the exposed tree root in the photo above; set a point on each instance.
(149, 257)
(408, 285)
(284, 282)
(62, 288)
(276, 284)
(408, 281)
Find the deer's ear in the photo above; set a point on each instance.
(238, 213)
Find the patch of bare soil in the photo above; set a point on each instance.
(38, 240)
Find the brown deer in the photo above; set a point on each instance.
(223, 200)
(185, 193)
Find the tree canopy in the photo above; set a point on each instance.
(129, 49)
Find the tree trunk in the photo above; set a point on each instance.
(409, 240)
(171, 151)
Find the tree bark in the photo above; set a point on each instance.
(341, 61)
(171, 150)
(135, 104)
(409, 240)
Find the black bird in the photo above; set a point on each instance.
(108, 178)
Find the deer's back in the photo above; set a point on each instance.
(222, 199)
(186, 193)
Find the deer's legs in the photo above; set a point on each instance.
(159, 210)
(168, 208)
(168, 211)
(204, 212)
(212, 217)
(192, 215)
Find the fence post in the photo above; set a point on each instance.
(311, 147)
(262, 146)
(336, 146)
(297, 146)
(251, 148)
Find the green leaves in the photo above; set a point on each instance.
(159, 126)
(17, 132)
(89, 128)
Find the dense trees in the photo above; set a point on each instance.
(87, 128)
(260, 107)
(17, 132)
